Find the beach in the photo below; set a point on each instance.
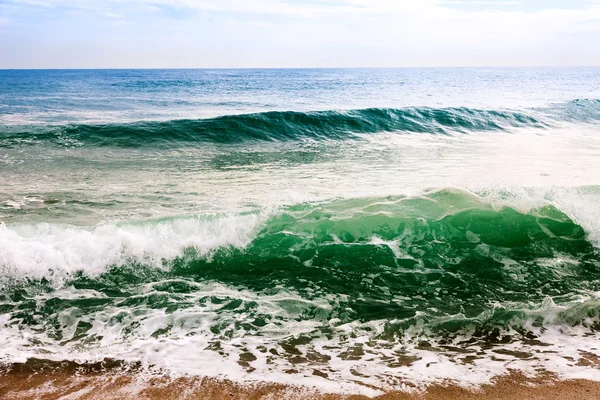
(91, 386)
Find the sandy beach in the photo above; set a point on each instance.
(88, 385)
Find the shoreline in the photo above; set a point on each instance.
(93, 384)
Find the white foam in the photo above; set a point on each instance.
(46, 250)
(130, 333)
(182, 348)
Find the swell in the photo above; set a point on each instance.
(291, 125)
(273, 126)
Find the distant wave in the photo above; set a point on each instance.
(292, 125)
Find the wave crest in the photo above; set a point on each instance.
(272, 126)
(441, 282)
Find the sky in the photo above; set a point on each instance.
(294, 33)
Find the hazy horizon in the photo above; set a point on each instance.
(307, 68)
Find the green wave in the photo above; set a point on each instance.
(291, 125)
(272, 126)
(448, 260)
(449, 252)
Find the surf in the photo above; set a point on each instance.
(398, 280)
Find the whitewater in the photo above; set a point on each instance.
(354, 231)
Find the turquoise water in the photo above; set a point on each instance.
(346, 229)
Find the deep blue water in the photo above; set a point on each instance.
(75, 96)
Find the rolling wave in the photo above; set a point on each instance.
(291, 125)
(446, 279)
(452, 237)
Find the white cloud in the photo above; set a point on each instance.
(331, 32)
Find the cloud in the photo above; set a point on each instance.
(293, 8)
(313, 32)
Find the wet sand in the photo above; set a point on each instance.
(93, 385)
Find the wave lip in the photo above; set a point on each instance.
(273, 126)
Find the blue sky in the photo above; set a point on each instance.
(293, 33)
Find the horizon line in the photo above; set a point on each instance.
(291, 68)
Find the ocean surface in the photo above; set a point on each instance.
(353, 230)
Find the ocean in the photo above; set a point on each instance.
(352, 230)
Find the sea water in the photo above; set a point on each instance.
(351, 230)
